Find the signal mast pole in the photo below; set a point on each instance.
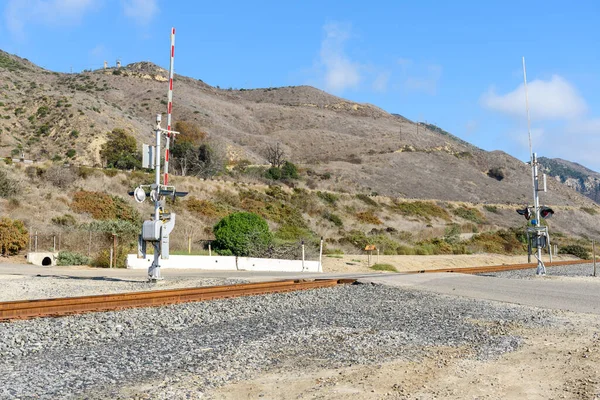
(157, 230)
(541, 269)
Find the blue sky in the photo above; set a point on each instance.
(456, 64)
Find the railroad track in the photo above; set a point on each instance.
(75, 305)
(26, 309)
(500, 268)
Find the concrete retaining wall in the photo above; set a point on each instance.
(226, 263)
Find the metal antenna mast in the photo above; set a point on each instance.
(539, 234)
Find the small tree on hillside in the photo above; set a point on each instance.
(120, 151)
(275, 155)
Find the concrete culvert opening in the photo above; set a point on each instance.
(46, 261)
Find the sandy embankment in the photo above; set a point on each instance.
(359, 263)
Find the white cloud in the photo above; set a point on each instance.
(426, 82)
(585, 127)
(340, 72)
(141, 11)
(380, 84)
(553, 99)
(19, 13)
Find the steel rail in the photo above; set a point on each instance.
(73, 305)
(498, 268)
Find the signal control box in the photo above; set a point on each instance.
(151, 231)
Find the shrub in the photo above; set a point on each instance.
(405, 250)
(366, 199)
(71, 258)
(103, 206)
(328, 197)
(8, 187)
(589, 210)
(368, 217)
(273, 173)
(470, 214)
(205, 208)
(60, 176)
(576, 250)
(13, 236)
(242, 233)
(496, 173)
(71, 153)
(334, 218)
(384, 267)
(289, 171)
(422, 209)
(492, 209)
(65, 220)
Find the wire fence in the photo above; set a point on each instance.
(107, 250)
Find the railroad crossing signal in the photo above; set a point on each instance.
(527, 212)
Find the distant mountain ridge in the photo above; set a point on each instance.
(574, 175)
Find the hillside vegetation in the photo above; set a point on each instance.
(312, 164)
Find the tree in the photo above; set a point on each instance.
(275, 155)
(289, 171)
(13, 236)
(242, 234)
(120, 151)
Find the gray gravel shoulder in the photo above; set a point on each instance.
(21, 287)
(572, 271)
(183, 351)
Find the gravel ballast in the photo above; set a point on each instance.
(183, 351)
(18, 287)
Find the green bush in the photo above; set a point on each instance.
(13, 236)
(242, 233)
(384, 267)
(273, 173)
(366, 199)
(120, 150)
(328, 197)
(421, 209)
(71, 258)
(8, 187)
(289, 171)
(576, 250)
(470, 214)
(492, 209)
(334, 218)
(65, 220)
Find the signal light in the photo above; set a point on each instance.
(526, 212)
(546, 212)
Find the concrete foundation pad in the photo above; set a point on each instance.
(225, 263)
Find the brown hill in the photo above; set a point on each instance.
(46, 114)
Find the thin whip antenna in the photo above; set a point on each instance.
(527, 106)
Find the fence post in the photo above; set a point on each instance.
(377, 256)
(189, 245)
(303, 255)
(90, 245)
(54, 243)
(115, 249)
(594, 255)
(111, 258)
(36, 240)
(321, 256)
(209, 250)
